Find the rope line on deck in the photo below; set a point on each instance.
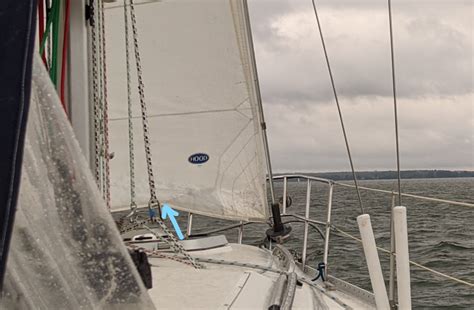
(441, 274)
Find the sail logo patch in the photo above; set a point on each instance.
(198, 158)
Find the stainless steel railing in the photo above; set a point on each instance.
(328, 224)
(307, 220)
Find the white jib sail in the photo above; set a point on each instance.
(208, 155)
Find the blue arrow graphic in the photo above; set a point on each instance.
(167, 211)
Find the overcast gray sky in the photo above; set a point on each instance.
(434, 68)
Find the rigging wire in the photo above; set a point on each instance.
(260, 106)
(153, 203)
(354, 176)
(95, 93)
(131, 151)
(101, 98)
(394, 89)
(99, 85)
(395, 112)
(105, 109)
(146, 132)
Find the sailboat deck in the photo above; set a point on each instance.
(230, 285)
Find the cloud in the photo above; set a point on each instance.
(309, 137)
(434, 69)
(433, 53)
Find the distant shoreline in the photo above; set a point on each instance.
(389, 174)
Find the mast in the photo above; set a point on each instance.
(259, 101)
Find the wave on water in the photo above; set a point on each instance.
(453, 245)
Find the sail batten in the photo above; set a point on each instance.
(204, 124)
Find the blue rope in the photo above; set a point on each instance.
(152, 213)
(321, 269)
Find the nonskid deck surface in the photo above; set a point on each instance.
(177, 285)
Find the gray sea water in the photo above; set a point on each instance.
(441, 236)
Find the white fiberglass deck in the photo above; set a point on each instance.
(224, 286)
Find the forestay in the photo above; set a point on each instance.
(206, 137)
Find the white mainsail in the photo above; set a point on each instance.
(202, 100)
